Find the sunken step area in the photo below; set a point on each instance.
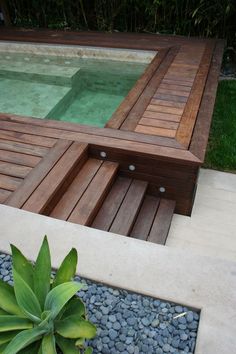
(69, 184)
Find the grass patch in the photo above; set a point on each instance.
(221, 150)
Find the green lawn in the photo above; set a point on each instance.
(221, 152)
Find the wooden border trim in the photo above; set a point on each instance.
(140, 106)
(101, 142)
(202, 128)
(119, 116)
(188, 120)
(93, 131)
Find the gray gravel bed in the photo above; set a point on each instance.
(130, 323)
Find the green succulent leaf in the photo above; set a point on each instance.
(67, 269)
(59, 296)
(75, 327)
(12, 323)
(26, 298)
(23, 339)
(5, 337)
(88, 350)
(42, 273)
(31, 349)
(2, 347)
(2, 312)
(20, 263)
(67, 346)
(75, 307)
(8, 301)
(48, 344)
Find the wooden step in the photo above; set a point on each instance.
(154, 220)
(92, 199)
(129, 208)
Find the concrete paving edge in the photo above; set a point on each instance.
(159, 271)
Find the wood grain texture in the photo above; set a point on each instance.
(88, 206)
(52, 183)
(36, 176)
(129, 209)
(161, 224)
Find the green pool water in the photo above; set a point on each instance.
(85, 91)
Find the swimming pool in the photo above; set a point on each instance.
(83, 86)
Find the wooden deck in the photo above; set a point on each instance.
(82, 174)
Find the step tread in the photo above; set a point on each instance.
(162, 222)
(144, 221)
(111, 205)
(67, 203)
(92, 199)
(129, 209)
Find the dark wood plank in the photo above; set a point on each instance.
(167, 103)
(70, 198)
(4, 194)
(10, 183)
(168, 97)
(20, 159)
(111, 205)
(129, 209)
(127, 104)
(34, 178)
(141, 105)
(162, 116)
(42, 197)
(144, 221)
(92, 199)
(164, 109)
(27, 138)
(161, 224)
(14, 170)
(23, 148)
(201, 130)
(184, 132)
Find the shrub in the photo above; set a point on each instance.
(41, 315)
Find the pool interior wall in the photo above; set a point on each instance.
(76, 89)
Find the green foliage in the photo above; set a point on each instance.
(185, 17)
(38, 315)
(221, 151)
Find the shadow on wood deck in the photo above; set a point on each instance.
(129, 177)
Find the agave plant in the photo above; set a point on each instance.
(41, 315)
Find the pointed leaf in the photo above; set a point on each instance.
(26, 298)
(59, 296)
(48, 344)
(23, 339)
(7, 336)
(12, 323)
(67, 269)
(67, 346)
(75, 307)
(42, 272)
(22, 265)
(75, 327)
(2, 312)
(31, 349)
(8, 299)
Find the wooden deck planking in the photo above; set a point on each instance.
(150, 130)
(89, 204)
(162, 221)
(112, 203)
(129, 208)
(52, 184)
(77, 188)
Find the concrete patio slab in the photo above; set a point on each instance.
(163, 272)
(211, 229)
